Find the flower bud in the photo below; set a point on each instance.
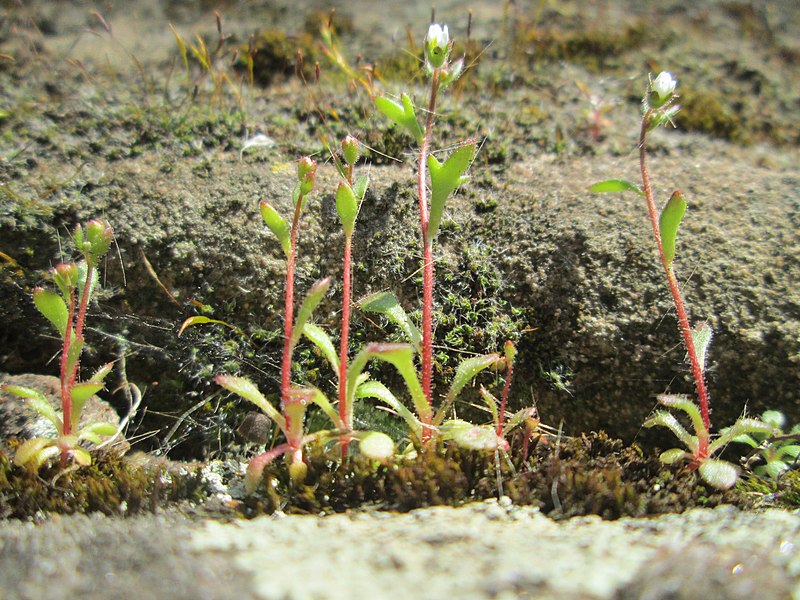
(306, 174)
(437, 45)
(99, 235)
(350, 150)
(305, 167)
(661, 90)
(65, 276)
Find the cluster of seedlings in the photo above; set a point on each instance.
(440, 458)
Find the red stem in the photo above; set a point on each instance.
(683, 319)
(427, 256)
(288, 323)
(502, 413)
(66, 397)
(344, 345)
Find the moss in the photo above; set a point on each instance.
(472, 316)
(702, 111)
(592, 48)
(784, 493)
(276, 55)
(593, 474)
(111, 485)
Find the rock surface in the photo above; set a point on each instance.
(479, 551)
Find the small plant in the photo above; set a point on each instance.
(659, 107)
(777, 452)
(445, 178)
(66, 310)
(295, 400)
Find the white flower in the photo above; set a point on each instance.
(437, 45)
(664, 85)
(437, 35)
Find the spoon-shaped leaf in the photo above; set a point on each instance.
(668, 224)
(247, 390)
(701, 336)
(53, 307)
(718, 473)
(322, 340)
(278, 226)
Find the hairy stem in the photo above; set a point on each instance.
(66, 397)
(288, 323)
(683, 319)
(501, 416)
(427, 252)
(344, 409)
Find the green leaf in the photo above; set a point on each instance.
(247, 390)
(683, 403)
(701, 337)
(402, 114)
(670, 457)
(102, 372)
(664, 419)
(74, 353)
(80, 394)
(668, 224)
(375, 389)
(491, 402)
(278, 226)
(93, 431)
(311, 301)
(401, 356)
(360, 186)
(719, 474)
(739, 428)
(775, 418)
(616, 185)
(387, 304)
(469, 436)
(83, 269)
(465, 373)
(37, 401)
(53, 307)
(322, 341)
(35, 452)
(444, 179)
(376, 446)
(347, 207)
(81, 456)
(321, 400)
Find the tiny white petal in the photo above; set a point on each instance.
(664, 85)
